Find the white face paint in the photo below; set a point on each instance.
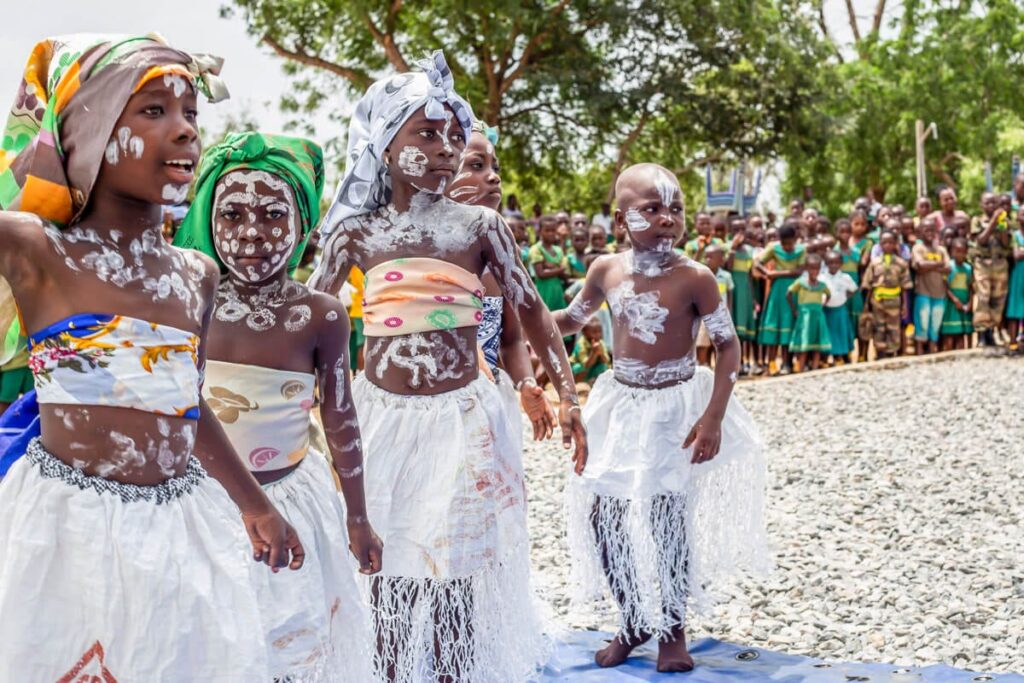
(237, 194)
(176, 83)
(636, 221)
(174, 194)
(641, 314)
(413, 161)
(667, 187)
(123, 144)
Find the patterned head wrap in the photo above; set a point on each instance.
(297, 161)
(489, 132)
(72, 92)
(378, 116)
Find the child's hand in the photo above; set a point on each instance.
(706, 439)
(537, 407)
(573, 432)
(273, 540)
(365, 545)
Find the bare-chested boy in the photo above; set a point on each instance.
(672, 495)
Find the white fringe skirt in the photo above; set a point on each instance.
(646, 526)
(315, 620)
(444, 488)
(105, 581)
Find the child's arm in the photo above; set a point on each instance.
(336, 263)
(500, 253)
(273, 539)
(706, 435)
(341, 428)
(789, 298)
(516, 359)
(1018, 253)
(545, 269)
(585, 304)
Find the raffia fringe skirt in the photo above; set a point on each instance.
(445, 491)
(106, 581)
(672, 532)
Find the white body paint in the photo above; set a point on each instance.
(430, 358)
(641, 314)
(113, 264)
(638, 373)
(719, 324)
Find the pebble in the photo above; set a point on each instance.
(896, 512)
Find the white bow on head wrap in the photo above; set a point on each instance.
(378, 116)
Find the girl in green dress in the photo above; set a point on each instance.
(861, 242)
(739, 264)
(807, 297)
(957, 327)
(851, 266)
(777, 323)
(549, 265)
(1015, 304)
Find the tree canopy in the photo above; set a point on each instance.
(577, 88)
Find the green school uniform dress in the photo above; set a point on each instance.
(777, 321)
(743, 293)
(851, 266)
(551, 291)
(577, 270)
(1015, 302)
(955, 321)
(810, 331)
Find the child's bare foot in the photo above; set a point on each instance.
(673, 655)
(618, 649)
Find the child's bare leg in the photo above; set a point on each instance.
(614, 511)
(454, 627)
(815, 360)
(392, 625)
(668, 525)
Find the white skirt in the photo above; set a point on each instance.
(107, 581)
(672, 531)
(444, 489)
(315, 620)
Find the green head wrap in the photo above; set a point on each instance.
(297, 161)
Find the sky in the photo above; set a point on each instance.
(252, 73)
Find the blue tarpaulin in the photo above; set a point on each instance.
(718, 662)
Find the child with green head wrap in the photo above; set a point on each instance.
(272, 341)
(296, 161)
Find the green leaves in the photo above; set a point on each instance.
(578, 88)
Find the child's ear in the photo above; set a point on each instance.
(620, 218)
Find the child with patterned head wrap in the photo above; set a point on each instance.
(271, 342)
(444, 478)
(123, 557)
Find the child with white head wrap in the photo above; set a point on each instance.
(367, 185)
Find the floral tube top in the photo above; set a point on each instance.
(112, 360)
(410, 295)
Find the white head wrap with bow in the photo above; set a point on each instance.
(378, 116)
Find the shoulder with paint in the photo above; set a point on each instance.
(27, 235)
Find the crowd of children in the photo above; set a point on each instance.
(807, 293)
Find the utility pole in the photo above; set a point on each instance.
(920, 135)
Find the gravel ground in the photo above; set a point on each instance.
(896, 512)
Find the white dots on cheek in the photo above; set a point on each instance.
(276, 232)
(268, 247)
